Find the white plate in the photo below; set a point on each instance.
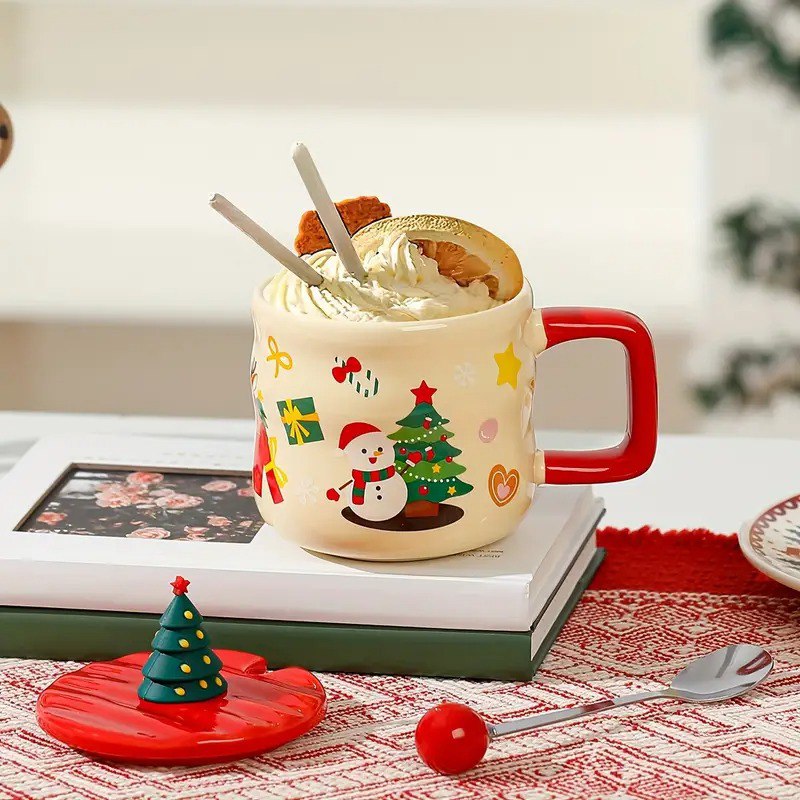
(771, 543)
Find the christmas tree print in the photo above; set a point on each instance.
(182, 667)
(425, 458)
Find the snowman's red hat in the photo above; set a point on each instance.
(353, 430)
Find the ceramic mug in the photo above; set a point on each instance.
(411, 440)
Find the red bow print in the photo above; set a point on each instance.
(351, 365)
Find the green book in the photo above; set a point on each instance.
(64, 634)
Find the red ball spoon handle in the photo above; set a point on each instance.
(453, 738)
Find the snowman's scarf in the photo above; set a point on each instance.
(361, 477)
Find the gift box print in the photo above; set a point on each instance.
(300, 420)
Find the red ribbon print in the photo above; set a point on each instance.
(351, 365)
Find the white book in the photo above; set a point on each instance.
(504, 586)
(554, 608)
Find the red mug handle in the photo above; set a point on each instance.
(635, 453)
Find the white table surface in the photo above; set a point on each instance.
(695, 481)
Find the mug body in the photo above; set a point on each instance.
(391, 440)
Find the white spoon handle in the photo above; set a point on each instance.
(266, 241)
(569, 714)
(328, 214)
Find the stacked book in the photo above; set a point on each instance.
(490, 613)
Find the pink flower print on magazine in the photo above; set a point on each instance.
(149, 505)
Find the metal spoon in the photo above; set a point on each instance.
(328, 213)
(452, 738)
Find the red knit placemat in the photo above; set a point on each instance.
(680, 561)
(658, 601)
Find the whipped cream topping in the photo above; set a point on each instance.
(402, 284)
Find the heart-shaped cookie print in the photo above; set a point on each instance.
(503, 484)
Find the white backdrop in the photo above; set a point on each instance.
(573, 130)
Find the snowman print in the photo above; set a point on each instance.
(377, 490)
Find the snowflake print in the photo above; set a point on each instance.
(464, 375)
(307, 492)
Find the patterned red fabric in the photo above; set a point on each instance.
(680, 561)
(658, 601)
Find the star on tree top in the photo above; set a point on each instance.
(424, 393)
(180, 585)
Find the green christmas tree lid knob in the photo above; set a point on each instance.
(182, 667)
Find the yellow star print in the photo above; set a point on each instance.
(451, 490)
(508, 366)
(436, 468)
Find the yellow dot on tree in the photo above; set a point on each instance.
(218, 681)
(180, 691)
(201, 635)
(185, 668)
(204, 684)
(183, 642)
(206, 659)
(188, 614)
